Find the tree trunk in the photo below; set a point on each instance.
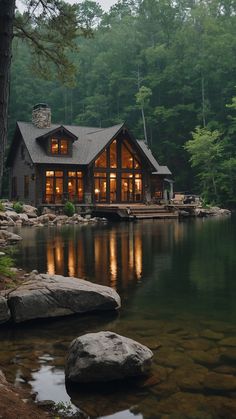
(7, 12)
(144, 126)
(203, 100)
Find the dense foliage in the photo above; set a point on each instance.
(69, 209)
(162, 66)
(6, 263)
(18, 207)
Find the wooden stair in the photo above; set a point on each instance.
(135, 211)
(143, 212)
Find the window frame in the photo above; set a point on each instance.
(59, 145)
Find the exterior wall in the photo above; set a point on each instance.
(157, 187)
(22, 166)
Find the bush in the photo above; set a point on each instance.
(6, 263)
(18, 207)
(2, 208)
(69, 209)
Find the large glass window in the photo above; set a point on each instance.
(117, 174)
(102, 160)
(127, 187)
(59, 146)
(100, 187)
(112, 187)
(54, 187)
(138, 187)
(126, 158)
(129, 160)
(75, 186)
(113, 155)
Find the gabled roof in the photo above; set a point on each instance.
(160, 170)
(91, 141)
(60, 130)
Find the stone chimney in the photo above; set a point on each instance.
(41, 115)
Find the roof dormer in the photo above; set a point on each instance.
(58, 142)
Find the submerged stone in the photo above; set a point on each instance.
(230, 341)
(220, 382)
(106, 356)
(210, 334)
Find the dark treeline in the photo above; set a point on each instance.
(169, 64)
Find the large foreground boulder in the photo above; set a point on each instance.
(55, 295)
(106, 356)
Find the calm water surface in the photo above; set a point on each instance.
(178, 286)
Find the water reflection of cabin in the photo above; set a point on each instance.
(51, 163)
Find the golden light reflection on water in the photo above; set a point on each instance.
(106, 257)
(113, 259)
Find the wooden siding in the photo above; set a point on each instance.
(22, 167)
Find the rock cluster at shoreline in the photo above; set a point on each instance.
(44, 296)
(29, 217)
(211, 212)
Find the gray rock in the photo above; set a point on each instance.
(4, 310)
(12, 214)
(3, 216)
(46, 210)
(29, 209)
(44, 219)
(106, 356)
(32, 215)
(55, 295)
(10, 222)
(61, 219)
(11, 237)
(24, 218)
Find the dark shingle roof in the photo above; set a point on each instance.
(160, 170)
(91, 141)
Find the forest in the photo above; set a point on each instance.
(169, 64)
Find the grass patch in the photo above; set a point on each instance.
(6, 263)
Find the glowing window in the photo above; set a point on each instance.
(54, 146)
(49, 173)
(64, 147)
(113, 155)
(75, 186)
(54, 186)
(59, 146)
(59, 174)
(102, 160)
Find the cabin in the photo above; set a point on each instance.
(50, 164)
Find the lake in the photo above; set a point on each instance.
(178, 287)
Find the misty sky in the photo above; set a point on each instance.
(106, 4)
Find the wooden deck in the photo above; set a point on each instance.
(135, 211)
